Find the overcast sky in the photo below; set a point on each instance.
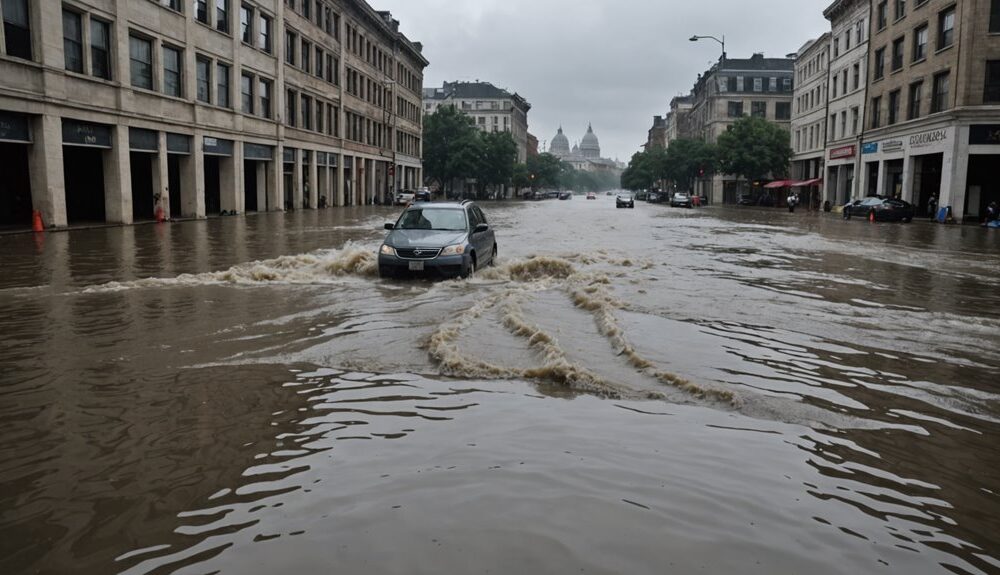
(615, 63)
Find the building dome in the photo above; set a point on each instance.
(590, 147)
(560, 144)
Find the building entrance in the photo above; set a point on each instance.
(143, 202)
(15, 186)
(84, 173)
(213, 194)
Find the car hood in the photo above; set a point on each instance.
(424, 238)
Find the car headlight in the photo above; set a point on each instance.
(388, 250)
(456, 250)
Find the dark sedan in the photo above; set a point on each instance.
(878, 209)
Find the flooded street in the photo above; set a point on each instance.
(628, 391)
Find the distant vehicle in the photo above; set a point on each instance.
(746, 200)
(440, 240)
(654, 197)
(553, 195)
(591, 196)
(641, 195)
(880, 210)
(422, 195)
(404, 197)
(609, 194)
(625, 200)
(680, 200)
(565, 195)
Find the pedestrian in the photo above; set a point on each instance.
(791, 200)
(992, 213)
(932, 207)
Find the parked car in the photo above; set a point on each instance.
(438, 240)
(880, 209)
(565, 195)
(641, 195)
(653, 197)
(609, 193)
(404, 197)
(422, 195)
(625, 200)
(746, 200)
(680, 200)
(591, 196)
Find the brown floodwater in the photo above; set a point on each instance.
(653, 390)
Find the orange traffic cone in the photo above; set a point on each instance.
(160, 217)
(871, 216)
(36, 222)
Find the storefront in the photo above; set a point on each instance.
(15, 185)
(258, 159)
(983, 183)
(840, 176)
(912, 166)
(86, 158)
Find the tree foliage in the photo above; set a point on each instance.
(451, 146)
(687, 160)
(545, 171)
(498, 153)
(755, 149)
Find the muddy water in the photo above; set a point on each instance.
(628, 391)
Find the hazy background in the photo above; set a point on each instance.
(614, 63)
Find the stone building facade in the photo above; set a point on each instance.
(933, 126)
(491, 108)
(809, 108)
(118, 110)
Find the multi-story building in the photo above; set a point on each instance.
(491, 108)
(809, 106)
(733, 88)
(933, 127)
(656, 137)
(679, 119)
(848, 82)
(112, 110)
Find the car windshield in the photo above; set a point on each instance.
(436, 219)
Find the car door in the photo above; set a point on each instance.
(474, 238)
(489, 236)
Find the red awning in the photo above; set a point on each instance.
(807, 183)
(780, 184)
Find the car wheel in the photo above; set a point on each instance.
(471, 272)
(493, 258)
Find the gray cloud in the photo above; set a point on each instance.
(613, 63)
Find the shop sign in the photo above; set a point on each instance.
(257, 152)
(14, 128)
(842, 152)
(928, 138)
(892, 145)
(869, 148)
(979, 135)
(218, 147)
(140, 140)
(178, 144)
(86, 134)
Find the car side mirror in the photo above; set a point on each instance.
(481, 228)
(390, 226)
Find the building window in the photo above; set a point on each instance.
(141, 62)
(201, 11)
(893, 107)
(855, 120)
(883, 14)
(772, 84)
(320, 57)
(222, 15)
(992, 93)
(735, 109)
(857, 76)
(847, 41)
(306, 56)
(879, 63)
(291, 41)
(995, 17)
(264, 34)
(73, 40)
(222, 85)
(246, 24)
(17, 29)
(915, 96)
(246, 93)
(320, 125)
(290, 100)
(843, 124)
(306, 112)
(946, 28)
(758, 84)
(265, 98)
(171, 71)
(786, 84)
(174, 5)
(900, 9)
(876, 111)
(203, 72)
(100, 51)
(920, 43)
(782, 111)
(897, 54)
(836, 47)
(939, 99)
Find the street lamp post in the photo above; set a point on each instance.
(722, 42)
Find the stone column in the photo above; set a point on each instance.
(161, 175)
(880, 186)
(276, 181)
(230, 181)
(297, 180)
(193, 180)
(955, 174)
(340, 201)
(313, 171)
(45, 164)
(262, 185)
(118, 178)
(906, 194)
(371, 181)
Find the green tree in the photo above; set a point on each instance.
(686, 160)
(544, 171)
(755, 149)
(521, 178)
(451, 146)
(496, 166)
(647, 169)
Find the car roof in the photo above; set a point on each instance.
(441, 205)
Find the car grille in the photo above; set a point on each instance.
(418, 253)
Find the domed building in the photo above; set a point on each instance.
(583, 156)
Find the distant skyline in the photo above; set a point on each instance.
(612, 64)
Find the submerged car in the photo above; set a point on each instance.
(625, 201)
(680, 200)
(880, 209)
(438, 240)
(565, 195)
